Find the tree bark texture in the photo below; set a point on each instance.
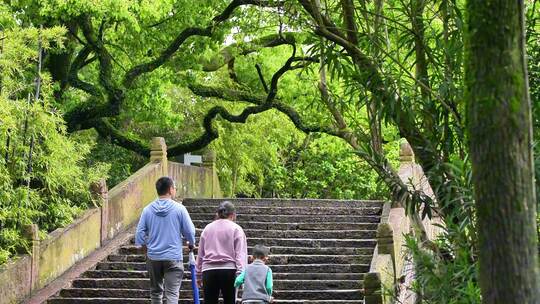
(500, 134)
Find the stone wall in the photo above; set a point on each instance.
(194, 181)
(15, 279)
(127, 199)
(66, 246)
(120, 208)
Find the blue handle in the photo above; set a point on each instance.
(194, 278)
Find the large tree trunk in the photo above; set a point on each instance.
(499, 125)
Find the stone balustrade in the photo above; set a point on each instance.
(119, 209)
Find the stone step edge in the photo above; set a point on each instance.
(244, 214)
(190, 299)
(279, 255)
(276, 291)
(307, 239)
(187, 279)
(320, 276)
(296, 230)
(238, 221)
(318, 264)
(304, 200)
(132, 246)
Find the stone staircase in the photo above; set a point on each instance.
(320, 250)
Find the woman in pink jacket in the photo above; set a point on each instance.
(222, 256)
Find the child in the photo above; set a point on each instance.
(257, 278)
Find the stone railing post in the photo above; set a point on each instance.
(385, 248)
(31, 232)
(373, 288)
(406, 166)
(385, 239)
(100, 193)
(413, 175)
(158, 153)
(209, 162)
(406, 153)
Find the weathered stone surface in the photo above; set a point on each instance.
(294, 294)
(290, 268)
(305, 234)
(406, 153)
(158, 153)
(132, 249)
(276, 259)
(372, 281)
(283, 284)
(193, 181)
(126, 283)
(15, 276)
(373, 299)
(64, 247)
(277, 210)
(385, 239)
(184, 301)
(246, 217)
(117, 274)
(312, 226)
(128, 198)
(278, 202)
(373, 288)
(312, 276)
(312, 242)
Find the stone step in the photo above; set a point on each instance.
(294, 268)
(114, 283)
(297, 226)
(141, 274)
(277, 202)
(341, 294)
(306, 242)
(132, 249)
(269, 211)
(119, 274)
(323, 234)
(97, 300)
(277, 259)
(318, 301)
(297, 218)
(312, 243)
(58, 300)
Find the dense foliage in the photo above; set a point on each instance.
(43, 174)
(276, 160)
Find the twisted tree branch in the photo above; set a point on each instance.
(165, 55)
(229, 52)
(89, 113)
(237, 95)
(106, 129)
(211, 134)
(73, 74)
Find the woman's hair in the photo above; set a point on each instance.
(225, 210)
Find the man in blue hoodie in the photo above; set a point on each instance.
(160, 231)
